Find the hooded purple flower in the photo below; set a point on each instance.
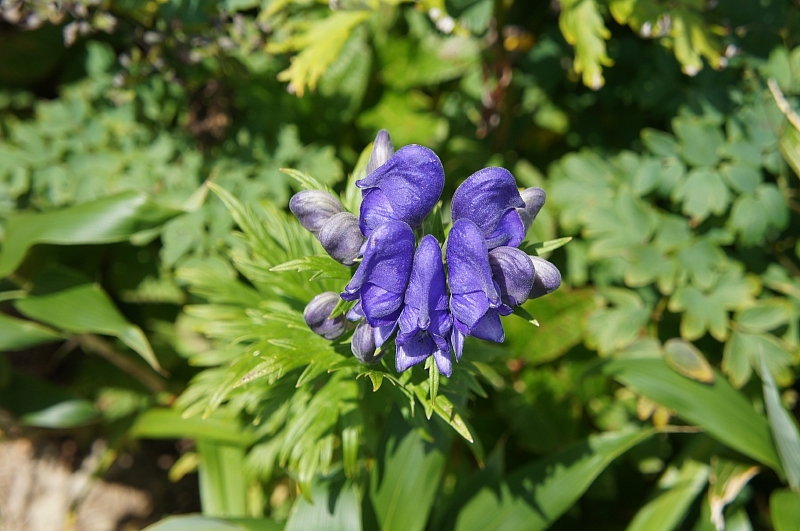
(381, 279)
(425, 322)
(489, 198)
(474, 296)
(405, 188)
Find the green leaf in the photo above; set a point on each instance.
(560, 315)
(67, 414)
(16, 334)
(742, 178)
(319, 46)
(614, 328)
(534, 496)
(162, 423)
(765, 315)
(677, 488)
(334, 506)
(699, 140)
(406, 477)
(542, 248)
(582, 25)
(722, 411)
(687, 360)
(87, 309)
(111, 219)
(205, 523)
(784, 507)
(784, 429)
(703, 193)
(659, 143)
(744, 351)
(322, 266)
(222, 478)
(305, 180)
(727, 480)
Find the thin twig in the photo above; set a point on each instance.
(103, 348)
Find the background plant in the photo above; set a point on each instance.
(658, 391)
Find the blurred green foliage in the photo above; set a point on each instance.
(143, 222)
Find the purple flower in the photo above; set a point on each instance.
(341, 237)
(317, 316)
(314, 207)
(475, 300)
(425, 322)
(547, 280)
(489, 198)
(405, 188)
(382, 150)
(380, 281)
(513, 272)
(534, 201)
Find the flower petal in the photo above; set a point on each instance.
(485, 198)
(411, 180)
(427, 289)
(510, 231)
(313, 208)
(375, 211)
(382, 150)
(443, 362)
(490, 328)
(513, 271)
(317, 315)
(547, 280)
(388, 256)
(415, 350)
(381, 307)
(341, 238)
(457, 340)
(469, 274)
(534, 201)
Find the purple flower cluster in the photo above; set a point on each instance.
(405, 287)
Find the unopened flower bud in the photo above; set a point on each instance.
(341, 238)
(534, 201)
(317, 316)
(314, 207)
(363, 344)
(547, 278)
(382, 150)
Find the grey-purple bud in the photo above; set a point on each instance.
(317, 315)
(547, 278)
(341, 237)
(314, 207)
(534, 201)
(363, 344)
(382, 150)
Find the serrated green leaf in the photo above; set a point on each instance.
(318, 46)
(582, 25)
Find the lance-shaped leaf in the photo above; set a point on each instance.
(718, 408)
(533, 497)
(17, 334)
(489, 198)
(87, 309)
(111, 219)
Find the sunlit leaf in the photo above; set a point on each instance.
(87, 309)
